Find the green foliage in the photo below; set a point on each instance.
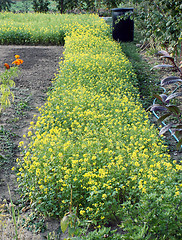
(156, 216)
(63, 5)
(7, 148)
(142, 70)
(22, 6)
(13, 214)
(6, 96)
(5, 5)
(60, 5)
(67, 5)
(6, 83)
(34, 223)
(70, 222)
(41, 6)
(161, 22)
(101, 234)
(112, 3)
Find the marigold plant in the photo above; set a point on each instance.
(6, 82)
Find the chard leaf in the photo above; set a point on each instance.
(164, 98)
(163, 53)
(161, 97)
(157, 107)
(174, 109)
(163, 117)
(174, 95)
(169, 57)
(165, 128)
(158, 97)
(163, 66)
(170, 80)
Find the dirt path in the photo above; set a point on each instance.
(39, 67)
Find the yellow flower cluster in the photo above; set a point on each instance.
(92, 136)
(43, 28)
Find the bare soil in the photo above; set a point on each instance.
(39, 68)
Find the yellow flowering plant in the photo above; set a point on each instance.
(93, 137)
(40, 28)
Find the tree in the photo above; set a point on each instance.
(60, 5)
(63, 5)
(112, 3)
(41, 5)
(5, 5)
(161, 22)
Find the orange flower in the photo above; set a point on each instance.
(17, 56)
(7, 66)
(17, 62)
(20, 61)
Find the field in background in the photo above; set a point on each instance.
(45, 29)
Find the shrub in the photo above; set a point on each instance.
(5, 5)
(41, 5)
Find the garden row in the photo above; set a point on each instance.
(93, 150)
(42, 29)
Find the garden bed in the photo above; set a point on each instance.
(94, 139)
(39, 67)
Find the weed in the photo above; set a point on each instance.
(6, 147)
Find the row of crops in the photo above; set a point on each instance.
(45, 29)
(93, 147)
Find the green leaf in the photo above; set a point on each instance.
(158, 97)
(71, 231)
(64, 223)
(178, 133)
(166, 128)
(178, 146)
(163, 117)
(174, 109)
